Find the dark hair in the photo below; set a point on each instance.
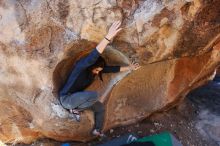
(100, 62)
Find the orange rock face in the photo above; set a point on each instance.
(39, 41)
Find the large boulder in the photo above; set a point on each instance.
(41, 39)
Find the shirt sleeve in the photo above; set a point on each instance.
(88, 60)
(111, 69)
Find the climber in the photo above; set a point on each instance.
(72, 96)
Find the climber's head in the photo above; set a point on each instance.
(98, 66)
(97, 70)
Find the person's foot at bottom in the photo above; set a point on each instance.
(97, 132)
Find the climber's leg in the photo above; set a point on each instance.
(82, 99)
(98, 109)
(99, 112)
(86, 100)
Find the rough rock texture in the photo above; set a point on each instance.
(218, 71)
(41, 39)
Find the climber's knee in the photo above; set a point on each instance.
(98, 107)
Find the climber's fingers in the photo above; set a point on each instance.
(114, 29)
(134, 65)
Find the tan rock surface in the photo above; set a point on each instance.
(40, 39)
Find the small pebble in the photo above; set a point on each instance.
(111, 131)
(156, 124)
(152, 131)
(137, 125)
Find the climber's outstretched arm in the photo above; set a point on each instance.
(132, 66)
(115, 69)
(93, 56)
(113, 30)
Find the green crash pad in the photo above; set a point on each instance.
(162, 139)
